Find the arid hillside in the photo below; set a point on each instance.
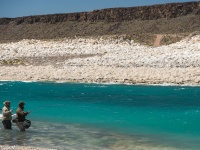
(146, 24)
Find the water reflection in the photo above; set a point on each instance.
(66, 136)
(13, 137)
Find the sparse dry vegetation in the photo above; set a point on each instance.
(11, 62)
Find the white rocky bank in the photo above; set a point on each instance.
(112, 60)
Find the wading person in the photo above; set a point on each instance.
(7, 115)
(21, 116)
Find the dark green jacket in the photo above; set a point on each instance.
(20, 115)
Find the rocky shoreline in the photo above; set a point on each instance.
(16, 147)
(101, 60)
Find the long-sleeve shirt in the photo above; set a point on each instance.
(6, 113)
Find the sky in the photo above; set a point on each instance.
(20, 8)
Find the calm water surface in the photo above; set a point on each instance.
(96, 116)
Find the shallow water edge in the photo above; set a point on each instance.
(103, 83)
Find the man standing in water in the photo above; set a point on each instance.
(21, 116)
(7, 115)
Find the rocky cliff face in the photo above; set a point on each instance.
(168, 11)
(140, 23)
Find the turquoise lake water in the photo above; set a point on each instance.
(103, 116)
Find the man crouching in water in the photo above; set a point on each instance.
(21, 116)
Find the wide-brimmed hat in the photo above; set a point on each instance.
(21, 103)
(6, 102)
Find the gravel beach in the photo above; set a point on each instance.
(101, 60)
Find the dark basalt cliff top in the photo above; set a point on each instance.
(171, 10)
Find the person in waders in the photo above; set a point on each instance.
(20, 120)
(7, 115)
